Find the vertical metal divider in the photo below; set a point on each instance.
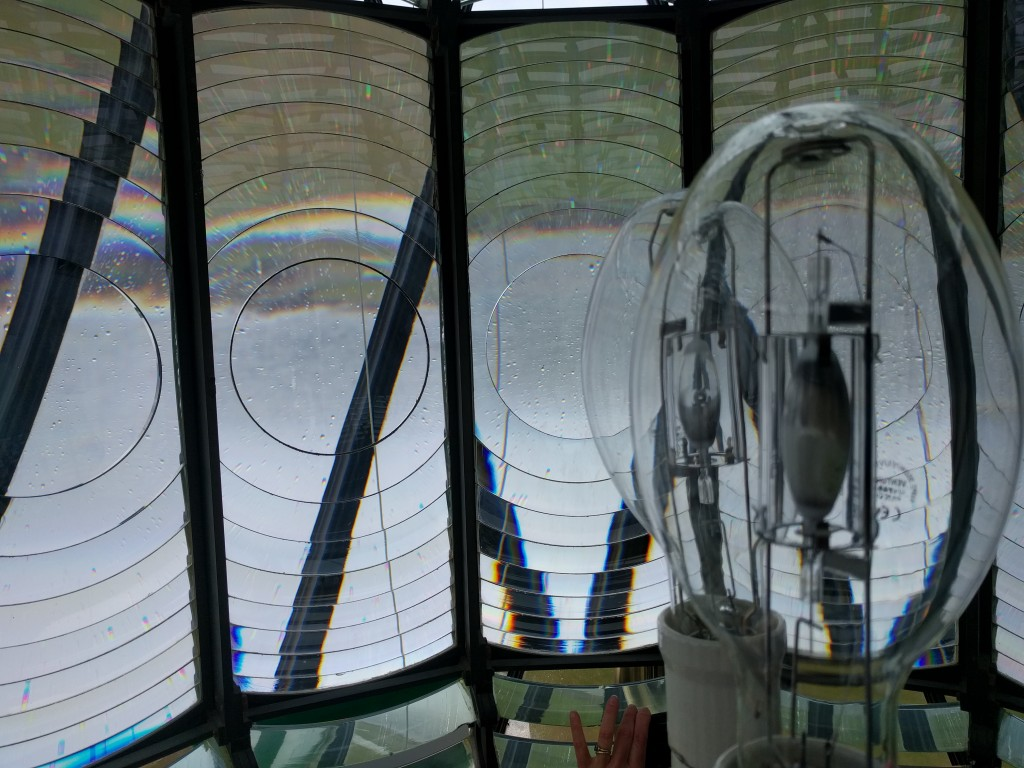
(693, 36)
(982, 165)
(190, 302)
(453, 258)
(696, 22)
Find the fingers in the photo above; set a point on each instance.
(579, 740)
(606, 733)
(628, 743)
(638, 749)
(624, 738)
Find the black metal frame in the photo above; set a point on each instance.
(224, 712)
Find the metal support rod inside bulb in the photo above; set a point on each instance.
(817, 407)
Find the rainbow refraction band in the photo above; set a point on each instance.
(97, 613)
(569, 127)
(324, 288)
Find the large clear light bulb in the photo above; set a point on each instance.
(869, 426)
(609, 331)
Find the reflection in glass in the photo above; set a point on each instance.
(317, 160)
(97, 648)
(568, 129)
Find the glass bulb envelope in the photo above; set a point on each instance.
(826, 408)
(609, 331)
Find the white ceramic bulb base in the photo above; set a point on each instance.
(701, 692)
(700, 695)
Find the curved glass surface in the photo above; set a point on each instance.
(547, 704)
(929, 728)
(569, 127)
(1010, 747)
(97, 648)
(905, 59)
(321, 236)
(1009, 582)
(406, 733)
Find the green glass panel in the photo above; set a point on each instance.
(779, 87)
(235, 41)
(58, 27)
(932, 728)
(562, 157)
(569, 126)
(409, 733)
(286, 152)
(297, 18)
(523, 753)
(22, 49)
(568, 49)
(922, 728)
(545, 704)
(569, 73)
(735, 68)
(541, 101)
(1010, 747)
(904, 59)
(300, 61)
(794, 20)
(103, 15)
(254, 91)
(531, 33)
(233, 128)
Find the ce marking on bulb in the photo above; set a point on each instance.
(896, 494)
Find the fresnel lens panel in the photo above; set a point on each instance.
(568, 127)
(96, 621)
(906, 59)
(317, 161)
(1009, 583)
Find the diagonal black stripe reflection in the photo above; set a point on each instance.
(49, 287)
(297, 669)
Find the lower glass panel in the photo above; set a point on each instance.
(405, 733)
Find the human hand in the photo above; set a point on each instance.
(625, 749)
